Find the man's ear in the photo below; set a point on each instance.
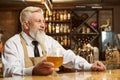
(26, 25)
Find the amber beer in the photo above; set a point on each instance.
(56, 60)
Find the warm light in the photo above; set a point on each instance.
(65, 0)
(1, 46)
(80, 6)
(98, 7)
(33, 0)
(47, 4)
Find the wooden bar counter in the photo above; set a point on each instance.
(88, 75)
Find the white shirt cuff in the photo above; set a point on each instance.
(87, 66)
(28, 71)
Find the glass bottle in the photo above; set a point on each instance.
(53, 28)
(68, 41)
(65, 28)
(57, 28)
(46, 15)
(49, 27)
(62, 43)
(50, 17)
(61, 16)
(53, 16)
(65, 40)
(69, 15)
(61, 28)
(90, 57)
(57, 16)
(65, 15)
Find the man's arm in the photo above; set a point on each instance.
(11, 61)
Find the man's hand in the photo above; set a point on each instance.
(98, 66)
(44, 68)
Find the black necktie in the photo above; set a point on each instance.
(36, 51)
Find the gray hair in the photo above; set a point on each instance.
(25, 13)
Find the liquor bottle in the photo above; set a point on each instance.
(46, 15)
(96, 53)
(50, 17)
(87, 30)
(83, 30)
(61, 28)
(68, 41)
(90, 57)
(65, 40)
(53, 16)
(68, 29)
(46, 29)
(65, 15)
(62, 43)
(49, 27)
(53, 28)
(57, 16)
(57, 28)
(61, 16)
(65, 28)
(69, 15)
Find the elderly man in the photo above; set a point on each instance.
(18, 56)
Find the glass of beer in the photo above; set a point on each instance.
(56, 60)
(56, 57)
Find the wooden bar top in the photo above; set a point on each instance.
(88, 75)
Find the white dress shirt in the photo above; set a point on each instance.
(13, 55)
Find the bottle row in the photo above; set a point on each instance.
(82, 30)
(63, 40)
(85, 30)
(58, 15)
(83, 39)
(57, 28)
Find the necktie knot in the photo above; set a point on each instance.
(35, 43)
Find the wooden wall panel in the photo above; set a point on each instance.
(117, 19)
(9, 21)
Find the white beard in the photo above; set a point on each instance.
(38, 36)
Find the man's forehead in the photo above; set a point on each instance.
(37, 15)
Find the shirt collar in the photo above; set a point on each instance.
(27, 38)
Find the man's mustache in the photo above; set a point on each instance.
(42, 27)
